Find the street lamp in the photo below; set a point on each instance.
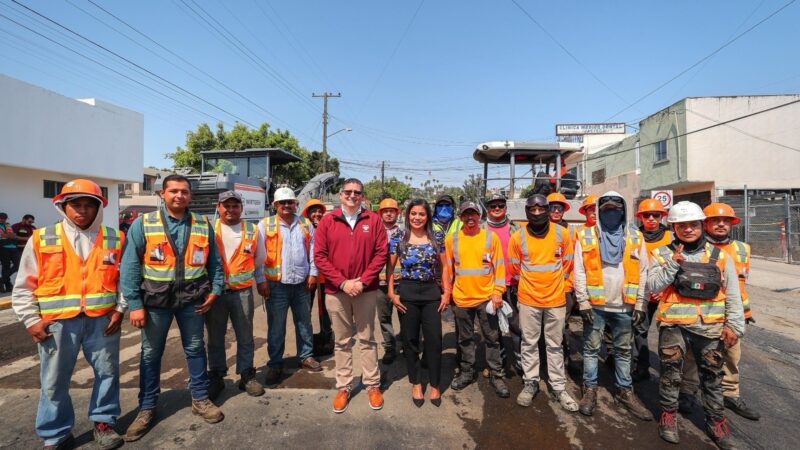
(325, 147)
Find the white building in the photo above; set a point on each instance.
(49, 139)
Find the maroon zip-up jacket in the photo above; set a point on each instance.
(342, 253)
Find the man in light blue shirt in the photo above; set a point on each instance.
(289, 275)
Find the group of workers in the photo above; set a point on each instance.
(78, 277)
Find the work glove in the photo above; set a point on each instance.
(587, 314)
(638, 317)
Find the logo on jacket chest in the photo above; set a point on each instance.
(365, 228)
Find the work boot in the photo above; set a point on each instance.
(464, 379)
(719, 432)
(635, 406)
(687, 403)
(529, 391)
(140, 425)
(273, 376)
(216, 386)
(588, 401)
(67, 443)
(311, 364)
(499, 386)
(249, 384)
(207, 410)
(106, 437)
(668, 426)
(565, 400)
(737, 405)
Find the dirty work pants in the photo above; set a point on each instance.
(490, 329)
(283, 296)
(385, 308)
(730, 373)
(620, 324)
(640, 351)
(673, 343)
(533, 320)
(348, 313)
(239, 307)
(58, 355)
(154, 340)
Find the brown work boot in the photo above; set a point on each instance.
(106, 437)
(341, 400)
(249, 384)
(629, 400)
(140, 425)
(588, 401)
(207, 410)
(375, 397)
(311, 364)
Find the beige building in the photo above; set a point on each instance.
(141, 194)
(704, 147)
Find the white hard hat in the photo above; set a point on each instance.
(283, 193)
(685, 212)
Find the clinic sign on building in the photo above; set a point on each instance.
(580, 129)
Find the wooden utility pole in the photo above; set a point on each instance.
(325, 97)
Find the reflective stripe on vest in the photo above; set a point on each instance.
(239, 270)
(594, 268)
(526, 260)
(486, 270)
(675, 309)
(273, 244)
(74, 285)
(196, 252)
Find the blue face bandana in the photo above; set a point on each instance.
(612, 235)
(443, 213)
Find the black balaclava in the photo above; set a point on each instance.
(655, 235)
(538, 225)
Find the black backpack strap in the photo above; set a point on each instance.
(714, 255)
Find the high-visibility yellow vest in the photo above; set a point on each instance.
(274, 244)
(593, 265)
(239, 270)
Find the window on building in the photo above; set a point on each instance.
(661, 151)
(52, 188)
(599, 176)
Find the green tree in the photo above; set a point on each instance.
(473, 187)
(392, 187)
(241, 137)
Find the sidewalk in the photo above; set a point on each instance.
(775, 276)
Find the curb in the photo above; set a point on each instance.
(5, 303)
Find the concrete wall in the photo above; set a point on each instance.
(46, 131)
(665, 124)
(23, 193)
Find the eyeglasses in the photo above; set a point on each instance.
(351, 192)
(556, 208)
(648, 215)
(496, 206)
(286, 202)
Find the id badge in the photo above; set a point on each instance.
(487, 257)
(157, 254)
(558, 252)
(109, 259)
(248, 248)
(198, 256)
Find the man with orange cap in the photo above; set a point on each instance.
(720, 218)
(66, 294)
(389, 211)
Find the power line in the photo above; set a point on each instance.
(700, 61)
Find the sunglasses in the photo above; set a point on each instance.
(349, 192)
(556, 208)
(496, 206)
(648, 215)
(286, 202)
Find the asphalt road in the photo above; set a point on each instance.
(297, 414)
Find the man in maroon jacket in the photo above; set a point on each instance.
(350, 250)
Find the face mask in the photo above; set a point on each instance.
(443, 213)
(611, 218)
(537, 220)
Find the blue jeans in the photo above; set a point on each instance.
(58, 354)
(281, 298)
(154, 338)
(620, 324)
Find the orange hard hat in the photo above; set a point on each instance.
(388, 203)
(650, 205)
(313, 202)
(590, 200)
(557, 197)
(721, 210)
(81, 188)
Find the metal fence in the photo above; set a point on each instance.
(771, 225)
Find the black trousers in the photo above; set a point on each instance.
(6, 260)
(422, 316)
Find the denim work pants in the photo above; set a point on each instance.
(154, 339)
(58, 354)
(620, 324)
(238, 305)
(281, 298)
(674, 343)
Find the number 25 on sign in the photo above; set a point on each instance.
(664, 197)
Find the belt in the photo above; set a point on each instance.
(230, 291)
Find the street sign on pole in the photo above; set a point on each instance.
(664, 196)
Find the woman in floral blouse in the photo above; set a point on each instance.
(419, 298)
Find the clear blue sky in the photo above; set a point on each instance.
(422, 82)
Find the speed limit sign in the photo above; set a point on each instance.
(664, 197)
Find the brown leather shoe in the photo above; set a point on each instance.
(311, 364)
(375, 397)
(207, 410)
(341, 400)
(140, 425)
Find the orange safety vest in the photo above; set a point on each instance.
(239, 270)
(274, 244)
(68, 286)
(546, 275)
(160, 261)
(665, 240)
(740, 252)
(676, 309)
(593, 265)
